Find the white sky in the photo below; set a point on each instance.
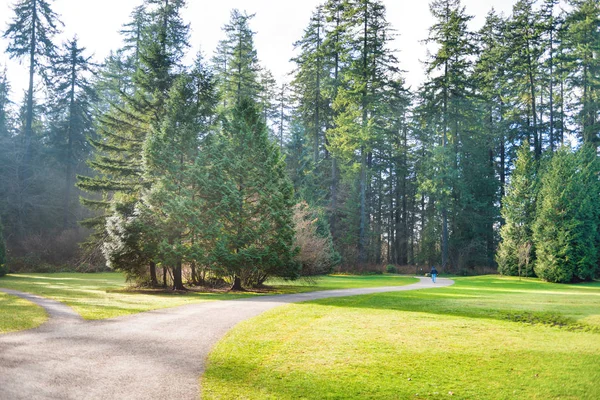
(278, 23)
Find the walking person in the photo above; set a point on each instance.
(434, 273)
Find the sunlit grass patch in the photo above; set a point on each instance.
(465, 340)
(100, 296)
(18, 314)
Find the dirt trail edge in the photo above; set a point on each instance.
(153, 355)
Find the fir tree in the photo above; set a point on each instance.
(30, 34)
(565, 231)
(236, 61)
(73, 100)
(124, 129)
(448, 92)
(518, 212)
(582, 46)
(249, 198)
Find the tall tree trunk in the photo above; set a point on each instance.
(237, 284)
(153, 278)
(445, 145)
(536, 140)
(362, 239)
(70, 159)
(28, 156)
(177, 277)
(552, 138)
(362, 235)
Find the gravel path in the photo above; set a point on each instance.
(153, 355)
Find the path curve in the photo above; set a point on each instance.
(158, 354)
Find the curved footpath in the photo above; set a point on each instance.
(152, 355)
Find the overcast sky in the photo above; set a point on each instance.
(278, 24)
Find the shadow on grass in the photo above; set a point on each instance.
(504, 299)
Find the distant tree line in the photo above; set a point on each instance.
(214, 171)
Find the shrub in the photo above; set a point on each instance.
(391, 269)
(317, 255)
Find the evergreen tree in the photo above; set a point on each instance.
(565, 231)
(250, 199)
(73, 98)
(169, 152)
(30, 34)
(525, 41)
(236, 61)
(448, 92)
(5, 114)
(124, 129)
(518, 212)
(582, 49)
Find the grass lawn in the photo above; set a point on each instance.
(17, 314)
(483, 338)
(99, 296)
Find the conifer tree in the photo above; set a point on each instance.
(447, 91)
(565, 231)
(518, 212)
(73, 100)
(125, 127)
(582, 46)
(236, 61)
(5, 117)
(169, 152)
(250, 199)
(524, 37)
(30, 34)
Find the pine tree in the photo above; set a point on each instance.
(5, 114)
(518, 212)
(565, 231)
(309, 78)
(525, 48)
(73, 98)
(30, 33)
(582, 46)
(124, 129)
(169, 152)
(236, 61)
(249, 198)
(448, 92)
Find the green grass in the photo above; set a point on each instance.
(99, 296)
(17, 314)
(483, 338)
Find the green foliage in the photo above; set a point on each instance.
(565, 231)
(236, 61)
(518, 211)
(249, 200)
(391, 269)
(127, 244)
(30, 13)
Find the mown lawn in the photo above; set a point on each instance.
(483, 338)
(99, 296)
(17, 314)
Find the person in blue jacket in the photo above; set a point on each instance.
(434, 274)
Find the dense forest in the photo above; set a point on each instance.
(212, 171)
